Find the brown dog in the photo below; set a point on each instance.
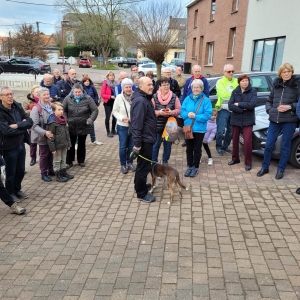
(171, 175)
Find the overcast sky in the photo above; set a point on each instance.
(15, 13)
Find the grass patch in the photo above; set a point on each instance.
(108, 67)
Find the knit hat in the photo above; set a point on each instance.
(126, 81)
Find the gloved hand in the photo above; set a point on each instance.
(134, 153)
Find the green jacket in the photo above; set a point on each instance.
(61, 137)
(224, 89)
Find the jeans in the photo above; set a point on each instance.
(93, 134)
(288, 130)
(247, 136)
(126, 145)
(156, 146)
(194, 150)
(59, 160)
(15, 168)
(108, 111)
(46, 159)
(223, 122)
(81, 151)
(5, 196)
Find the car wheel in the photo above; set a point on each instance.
(294, 159)
(120, 65)
(1, 71)
(32, 72)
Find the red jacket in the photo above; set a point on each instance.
(105, 92)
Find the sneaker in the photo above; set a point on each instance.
(131, 167)
(21, 195)
(110, 134)
(97, 143)
(148, 198)
(16, 209)
(220, 152)
(165, 163)
(124, 170)
(81, 164)
(210, 162)
(227, 151)
(188, 172)
(76, 147)
(14, 197)
(194, 172)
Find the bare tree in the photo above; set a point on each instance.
(150, 28)
(27, 42)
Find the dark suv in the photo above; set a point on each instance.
(24, 65)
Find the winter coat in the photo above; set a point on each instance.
(106, 92)
(79, 114)
(55, 80)
(119, 111)
(53, 90)
(91, 90)
(67, 88)
(211, 130)
(38, 115)
(11, 138)
(143, 119)
(26, 104)
(190, 104)
(174, 87)
(60, 86)
(225, 88)
(244, 113)
(283, 93)
(187, 90)
(181, 80)
(61, 136)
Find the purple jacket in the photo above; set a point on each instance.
(211, 129)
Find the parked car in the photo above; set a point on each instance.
(166, 65)
(177, 62)
(150, 67)
(116, 60)
(145, 61)
(129, 62)
(84, 63)
(60, 60)
(24, 65)
(3, 58)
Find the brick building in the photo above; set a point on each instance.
(215, 34)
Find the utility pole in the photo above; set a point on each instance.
(9, 45)
(38, 27)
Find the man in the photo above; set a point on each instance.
(179, 77)
(224, 87)
(14, 123)
(143, 128)
(118, 88)
(71, 80)
(47, 82)
(60, 84)
(56, 76)
(134, 69)
(174, 84)
(196, 74)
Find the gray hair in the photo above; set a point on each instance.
(167, 69)
(4, 88)
(227, 65)
(77, 86)
(198, 82)
(42, 90)
(193, 67)
(126, 81)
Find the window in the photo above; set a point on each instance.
(201, 49)
(209, 53)
(213, 10)
(268, 53)
(235, 5)
(179, 55)
(231, 42)
(260, 83)
(70, 37)
(194, 48)
(196, 18)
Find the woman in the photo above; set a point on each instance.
(90, 89)
(31, 100)
(135, 78)
(166, 104)
(196, 110)
(242, 104)
(281, 107)
(107, 94)
(151, 76)
(39, 115)
(121, 111)
(81, 111)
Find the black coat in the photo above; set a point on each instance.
(78, 114)
(11, 138)
(174, 87)
(244, 113)
(67, 88)
(283, 93)
(143, 119)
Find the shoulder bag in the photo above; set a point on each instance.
(129, 124)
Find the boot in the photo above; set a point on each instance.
(66, 175)
(59, 177)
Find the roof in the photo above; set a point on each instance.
(48, 40)
(191, 3)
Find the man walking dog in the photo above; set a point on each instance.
(143, 128)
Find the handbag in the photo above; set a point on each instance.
(187, 130)
(129, 124)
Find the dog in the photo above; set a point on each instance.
(172, 176)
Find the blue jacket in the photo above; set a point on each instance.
(117, 90)
(91, 90)
(204, 113)
(187, 90)
(53, 90)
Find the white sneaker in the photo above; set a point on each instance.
(16, 209)
(210, 162)
(76, 147)
(97, 143)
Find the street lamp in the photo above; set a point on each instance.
(62, 43)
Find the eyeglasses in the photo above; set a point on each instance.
(229, 72)
(8, 94)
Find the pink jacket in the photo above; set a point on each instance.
(105, 92)
(211, 129)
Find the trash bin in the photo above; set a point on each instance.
(187, 68)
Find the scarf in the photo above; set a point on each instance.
(36, 99)
(127, 97)
(46, 107)
(111, 84)
(77, 99)
(164, 99)
(60, 120)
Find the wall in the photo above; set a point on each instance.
(273, 18)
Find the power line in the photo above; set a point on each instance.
(26, 23)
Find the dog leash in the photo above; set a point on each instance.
(147, 159)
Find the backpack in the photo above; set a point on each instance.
(170, 133)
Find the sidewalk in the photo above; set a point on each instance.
(233, 236)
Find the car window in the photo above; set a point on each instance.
(213, 91)
(259, 83)
(273, 77)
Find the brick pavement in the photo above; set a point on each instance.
(233, 236)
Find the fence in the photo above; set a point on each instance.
(19, 81)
